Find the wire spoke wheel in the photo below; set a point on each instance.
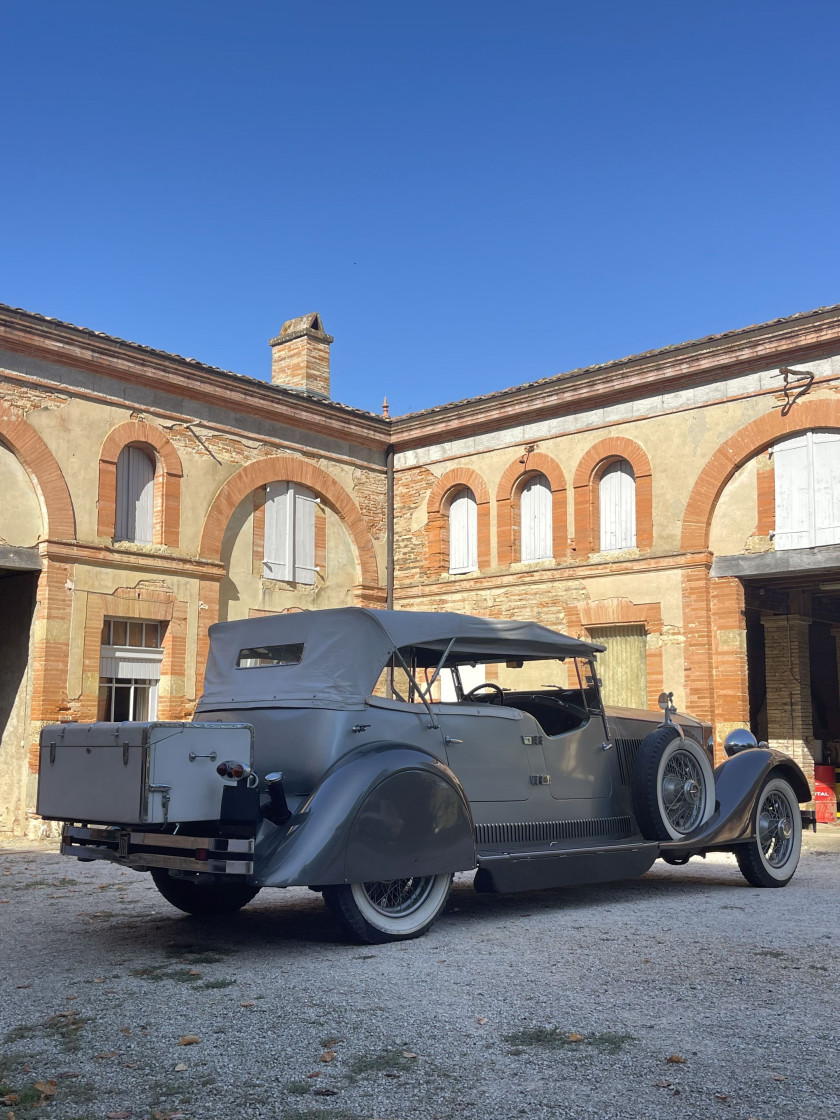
(775, 829)
(392, 910)
(673, 785)
(400, 896)
(682, 791)
(771, 857)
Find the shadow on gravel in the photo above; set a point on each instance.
(295, 921)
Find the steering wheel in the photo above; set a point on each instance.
(498, 693)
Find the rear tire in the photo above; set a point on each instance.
(772, 856)
(216, 898)
(375, 913)
(673, 785)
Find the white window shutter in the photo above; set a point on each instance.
(278, 514)
(535, 519)
(807, 477)
(135, 514)
(826, 460)
(794, 493)
(305, 502)
(617, 504)
(463, 533)
(289, 532)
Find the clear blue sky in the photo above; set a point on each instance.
(473, 194)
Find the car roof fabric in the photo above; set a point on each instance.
(345, 650)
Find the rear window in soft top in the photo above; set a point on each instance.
(259, 657)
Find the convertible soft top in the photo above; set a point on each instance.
(345, 650)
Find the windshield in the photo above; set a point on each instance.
(414, 675)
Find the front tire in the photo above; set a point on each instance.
(673, 785)
(217, 898)
(772, 856)
(375, 913)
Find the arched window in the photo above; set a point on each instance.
(463, 532)
(807, 470)
(617, 505)
(135, 514)
(289, 552)
(535, 519)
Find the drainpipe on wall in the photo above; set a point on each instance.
(389, 526)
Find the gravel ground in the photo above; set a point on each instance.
(683, 994)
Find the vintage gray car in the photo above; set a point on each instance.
(370, 754)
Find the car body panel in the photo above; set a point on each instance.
(541, 870)
(385, 812)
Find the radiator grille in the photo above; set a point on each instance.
(537, 831)
(627, 751)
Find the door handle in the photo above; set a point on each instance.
(448, 739)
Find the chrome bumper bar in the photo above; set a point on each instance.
(142, 850)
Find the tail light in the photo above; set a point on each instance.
(233, 770)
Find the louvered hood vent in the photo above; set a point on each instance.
(532, 832)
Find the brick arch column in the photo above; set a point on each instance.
(437, 506)
(738, 449)
(588, 475)
(286, 468)
(167, 525)
(715, 648)
(508, 511)
(281, 468)
(43, 469)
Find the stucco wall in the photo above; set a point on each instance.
(21, 522)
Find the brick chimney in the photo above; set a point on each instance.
(300, 356)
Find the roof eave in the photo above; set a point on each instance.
(50, 340)
(795, 339)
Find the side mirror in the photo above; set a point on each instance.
(741, 739)
(666, 703)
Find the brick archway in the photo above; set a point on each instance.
(286, 468)
(43, 469)
(587, 477)
(437, 506)
(167, 480)
(738, 449)
(507, 505)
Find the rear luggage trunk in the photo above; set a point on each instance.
(150, 774)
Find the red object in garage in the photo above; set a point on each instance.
(825, 800)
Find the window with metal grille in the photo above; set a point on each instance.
(623, 667)
(463, 532)
(535, 519)
(129, 669)
(289, 552)
(807, 476)
(617, 505)
(135, 496)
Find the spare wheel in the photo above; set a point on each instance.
(673, 785)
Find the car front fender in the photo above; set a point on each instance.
(737, 783)
(385, 812)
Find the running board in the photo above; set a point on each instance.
(529, 871)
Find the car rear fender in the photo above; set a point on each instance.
(737, 783)
(385, 812)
